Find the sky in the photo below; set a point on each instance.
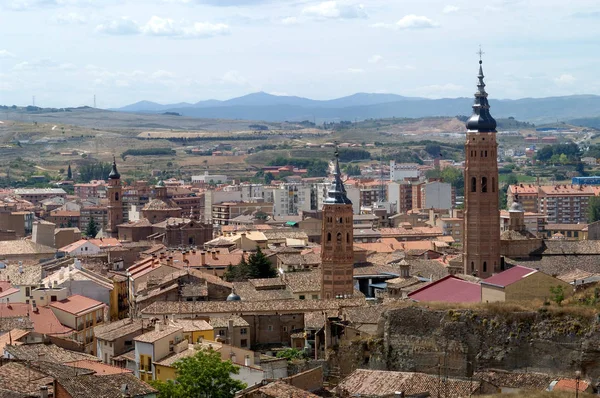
(64, 52)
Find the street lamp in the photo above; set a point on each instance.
(577, 378)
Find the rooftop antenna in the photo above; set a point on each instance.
(94, 100)
(33, 100)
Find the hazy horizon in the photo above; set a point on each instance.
(171, 51)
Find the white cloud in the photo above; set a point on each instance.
(355, 70)
(119, 26)
(565, 79)
(335, 10)
(449, 9)
(415, 22)
(167, 27)
(375, 59)
(290, 21)
(22, 5)
(37, 64)
(6, 54)
(234, 77)
(69, 18)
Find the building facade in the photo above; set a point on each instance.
(482, 217)
(337, 237)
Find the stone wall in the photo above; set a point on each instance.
(458, 342)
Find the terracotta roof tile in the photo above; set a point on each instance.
(280, 389)
(77, 305)
(108, 386)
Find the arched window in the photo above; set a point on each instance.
(347, 238)
(339, 237)
(473, 184)
(341, 220)
(117, 196)
(483, 184)
(328, 236)
(493, 184)
(485, 154)
(484, 266)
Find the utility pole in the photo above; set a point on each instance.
(33, 100)
(94, 100)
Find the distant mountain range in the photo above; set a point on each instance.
(274, 108)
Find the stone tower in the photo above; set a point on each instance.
(482, 216)
(115, 204)
(337, 253)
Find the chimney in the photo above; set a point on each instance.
(34, 306)
(159, 326)
(43, 391)
(230, 331)
(247, 360)
(184, 256)
(202, 258)
(232, 357)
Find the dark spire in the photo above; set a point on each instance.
(337, 193)
(114, 174)
(481, 120)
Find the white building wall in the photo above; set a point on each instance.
(438, 195)
(400, 171)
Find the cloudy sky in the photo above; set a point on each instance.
(65, 51)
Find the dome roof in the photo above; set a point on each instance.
(233, 297)
(114, 174)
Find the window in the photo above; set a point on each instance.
(315, 296)
(222, 332)
(302, 297)
(328, 236)
(339, 237)
(270, 328)
(117, 196)
(347, 238)
(244, 343)
(493, 184)
(484, 266)
(285, 328)
(485, 153)
(472, 266)
(473, 184)
(483, 184)
(243, 331)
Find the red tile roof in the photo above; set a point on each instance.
(77, 304)
(44, 320)
(509, 276)
(449, 289)
(570, 385)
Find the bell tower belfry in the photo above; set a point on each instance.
(482, 216)
(115, 201)
(337, 237)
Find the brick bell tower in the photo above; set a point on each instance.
(482, 216)
(337, 237)
(115, 204)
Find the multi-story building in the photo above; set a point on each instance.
(21, 222)
(81, 314)
(93, 189)
(564, 204)
(534, 222)
(320, 192)
(527, 195)
(401, 195)
(98, 213)
(137, 194)
(64, 218)
(372, 192)
(290, 199)
(223, 213)
(452, 226)
(153, 346)
(436, 195)
(401, 171)
(37, 195)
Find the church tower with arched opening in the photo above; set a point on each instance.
(115, 201)
(482, 216)
(337, 237)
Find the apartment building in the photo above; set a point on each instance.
(37, 195)
(564, 204)
(401, 171)
(401, 195)
(223, 213)
(98, 213)
(94, 189)
(153, 346)
(291, 199)
(528, 196)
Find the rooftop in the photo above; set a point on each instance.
(280, 389)
(17, 275)
(449, 289)
(16, 247)
(18, 377)
(43, 319)
(46, 352)
(223, 322)
(108, 386)
(509, 276)
(114, 330)
(77, 305)
(100, 368)
(158, 334)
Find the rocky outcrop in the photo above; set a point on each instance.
(459, 342)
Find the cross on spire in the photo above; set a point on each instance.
(480, 53)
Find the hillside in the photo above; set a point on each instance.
(362, 106)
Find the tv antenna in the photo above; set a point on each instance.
(94, 100)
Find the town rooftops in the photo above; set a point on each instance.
(49, 353)
(108, 386)
(12, 336)
(100, 368)
(565, 227)
(571, 385)
(223, 322)
(43, 319)
(115, 330)
(77, 305)
(509, 276)
(191, 325)
(566, 189)
(237, 307)
(158, 333)
(21, 378)
(21, 274)
(379, 383)
(23, 247)
(449, 289)
(281, 389)
(40, 191)
(522, 381)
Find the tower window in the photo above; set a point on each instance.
(339, 237)
(485, 154)
(484, 266)
(341, 220)
(328, 236)
(347, 238)
(483, 184)
(493, 184)
(117, 196)
(473, 184)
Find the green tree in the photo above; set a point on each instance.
(594, 209)
(557, 294)
(268, 177)
(69, 173)
(203, 375)
(260, 266)
(92, 228)
(290, 354)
